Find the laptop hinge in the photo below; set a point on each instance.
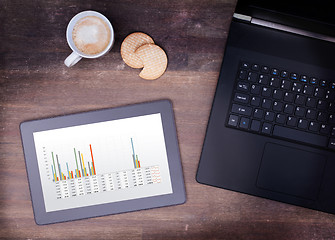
(282, 27)
(242, 17)
(298, 31)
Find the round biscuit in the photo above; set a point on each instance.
(129, 46)
(154, 60)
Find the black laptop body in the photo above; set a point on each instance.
(271, 131)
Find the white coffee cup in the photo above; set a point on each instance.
(89, 35)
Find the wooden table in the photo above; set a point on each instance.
(34, 83)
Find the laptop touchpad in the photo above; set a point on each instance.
(291, 171)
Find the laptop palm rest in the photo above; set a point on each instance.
(291, 171)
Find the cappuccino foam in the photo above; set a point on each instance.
(91, 35)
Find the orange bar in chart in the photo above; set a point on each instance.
(94, 172)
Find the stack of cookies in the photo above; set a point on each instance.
(138, 50)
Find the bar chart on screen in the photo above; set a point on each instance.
(78, 176)
(120, 159)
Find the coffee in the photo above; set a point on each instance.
(91, 35)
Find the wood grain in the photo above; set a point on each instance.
(34, 83)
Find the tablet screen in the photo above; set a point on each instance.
(103, 162)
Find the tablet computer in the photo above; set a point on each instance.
(103, 162)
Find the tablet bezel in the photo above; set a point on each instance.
(164, 107)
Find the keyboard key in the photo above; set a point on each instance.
(319, 92)
(245, 65)
(241, 98)
(242, 86)
(243, 110)
(244, 123)
(300, 99)
(263, 79)
(255, 101)
(255, 125)
(323, 83)
(311, 102)
(331, 144)
(255, 67)
(269, 116)
(311, 114)
(292, 121)
(331, 107)
(258, 113)
(252, 77)
(280, 118)
(233, 120)
(313, 81)
(289, 97)
(275, 82)
(267, 128)
(322, 105)
(266, 92)
(284, 74)
(314, 126)
(297, 87)
(266, 103)
(300, 136)
(322, 117)
(243, 74)
(308, 90)
(330, 95)
(331, 119)
(332, 133)
(304, 78)
(274, 71)
(277, 106)
(294, 76)
(303, 124)
(265, 69)
(325, 129)
(277, 94)
(285, 84)
(255, 89)
(300, 111)
(289, 109)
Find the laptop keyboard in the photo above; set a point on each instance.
(275, 102)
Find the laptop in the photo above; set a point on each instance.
(271, 131)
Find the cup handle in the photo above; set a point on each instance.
(72, 59)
